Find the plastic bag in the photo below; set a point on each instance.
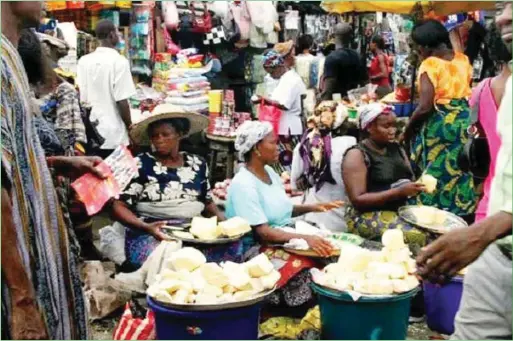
(132, 328)
(112, 243)
(271, 114)
(170, 14)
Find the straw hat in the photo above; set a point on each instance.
(139, 131)
(284, 48)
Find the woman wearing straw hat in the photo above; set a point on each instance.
(171, 185)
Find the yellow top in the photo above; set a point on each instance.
(451, 79)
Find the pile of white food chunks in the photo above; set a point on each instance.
(385, 272)
(187, 278)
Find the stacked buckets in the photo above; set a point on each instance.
(368, 318)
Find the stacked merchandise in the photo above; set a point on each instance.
(224, 121)
(141, 40)
(182, 79)
(86, 44)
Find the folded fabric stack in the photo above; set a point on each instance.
(181, 79)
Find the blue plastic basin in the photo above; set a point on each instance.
(228, 324)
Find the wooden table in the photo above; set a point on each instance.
(221, 144)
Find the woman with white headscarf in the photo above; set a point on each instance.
(379, 179)
(257, 195)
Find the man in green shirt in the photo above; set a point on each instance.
(485, 309)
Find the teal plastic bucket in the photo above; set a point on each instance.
(366, 319)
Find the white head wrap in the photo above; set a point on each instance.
(249, 134)
(371, 111)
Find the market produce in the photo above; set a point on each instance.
(429, 182)
(234, 227)
(205, 228)
(187, 278)
(429, 216)
(209, 229)
(386, 272)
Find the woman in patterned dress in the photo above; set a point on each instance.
(438, 127)
(379, 179)
(171, 185)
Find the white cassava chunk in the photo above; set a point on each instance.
(214, 275)
(259, 266)
(393, 239)
(187, 258)
(205, 228)
(269, 281)
(234, 227)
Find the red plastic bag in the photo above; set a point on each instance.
(130, 328)
(271, 114)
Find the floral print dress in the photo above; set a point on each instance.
(157, 183)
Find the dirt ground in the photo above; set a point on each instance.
(102, 330)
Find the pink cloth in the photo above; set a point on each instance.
(488, 119)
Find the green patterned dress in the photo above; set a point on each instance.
(439, 144)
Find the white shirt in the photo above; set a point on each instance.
(288, 93)
(333, 220)
(104, 78)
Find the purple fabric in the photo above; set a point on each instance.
(316, 176)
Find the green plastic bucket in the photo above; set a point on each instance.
(366, 319)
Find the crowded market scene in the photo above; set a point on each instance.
(252, 170)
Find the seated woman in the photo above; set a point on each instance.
(379, 180)
(170, 185)
(257, 195)
(317, 166)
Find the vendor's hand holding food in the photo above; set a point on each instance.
(319, 245)
(411, 189)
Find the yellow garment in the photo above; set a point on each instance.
(451, 79)
(286, 328)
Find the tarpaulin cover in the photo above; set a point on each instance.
(404, 7)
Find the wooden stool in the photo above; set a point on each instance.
(221, 144)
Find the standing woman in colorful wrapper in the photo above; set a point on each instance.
(437, 129)
(287, 96)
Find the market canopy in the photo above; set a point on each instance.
(405, 7)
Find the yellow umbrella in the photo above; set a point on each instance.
(405, 7)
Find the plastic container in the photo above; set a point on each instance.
(366, 319)
(442, 304)
(404, 109)
(228, 324)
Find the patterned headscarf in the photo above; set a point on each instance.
(272, 59)
(249, 134)
(371, 112)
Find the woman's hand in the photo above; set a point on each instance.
(76, 166)
(325, 207)
(411, 189)
(155, 230)
(319, 245)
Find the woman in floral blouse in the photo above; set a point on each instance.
(171, 187)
